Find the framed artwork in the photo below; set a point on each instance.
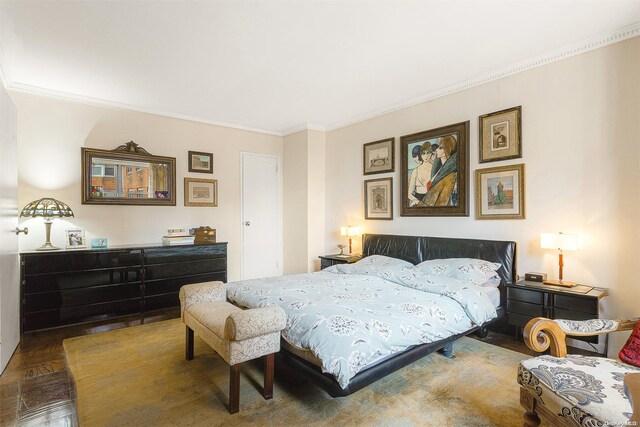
(434, 172)
(75, 239)
(500, 192)
(501, 135)
(378, 198)
(378, 156)
(200, 192)
(200, 162)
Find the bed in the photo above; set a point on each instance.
(405, 320)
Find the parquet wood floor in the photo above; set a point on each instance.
(37, 390)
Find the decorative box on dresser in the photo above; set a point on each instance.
(60, 288)
(526, 300)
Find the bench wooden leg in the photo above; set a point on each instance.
(188, 348)
(267, 391)
(531, 419)
(234, 388)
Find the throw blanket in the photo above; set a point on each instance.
(352, 320)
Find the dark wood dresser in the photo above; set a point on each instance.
(75, 286)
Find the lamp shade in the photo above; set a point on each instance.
(560, 241)
(350, 231)
(47, 208)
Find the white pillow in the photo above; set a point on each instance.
(468, 270)
(377, 265)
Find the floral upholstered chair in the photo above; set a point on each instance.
(573, 390)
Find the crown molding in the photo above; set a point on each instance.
(97, 102)
(553, 56)
(544, 59)
(306, 126)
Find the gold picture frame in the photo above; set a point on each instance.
(501, 135)
(500, 192)
(200, 192)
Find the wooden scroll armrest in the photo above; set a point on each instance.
(541, 333)
(632, 390)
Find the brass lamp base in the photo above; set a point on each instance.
(48, 247)
(560, 283)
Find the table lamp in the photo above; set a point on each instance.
(350, 232)
(561, 242)
(48, 209)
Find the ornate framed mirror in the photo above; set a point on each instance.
(128, 175)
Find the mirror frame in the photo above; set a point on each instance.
(130, 151)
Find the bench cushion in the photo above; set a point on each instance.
(585, 390)
(211, 315)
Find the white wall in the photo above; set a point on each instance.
(304, 194)
(580, 133)
(51, 133)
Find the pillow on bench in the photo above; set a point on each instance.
(630, 353)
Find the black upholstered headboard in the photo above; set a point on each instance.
(416, 249)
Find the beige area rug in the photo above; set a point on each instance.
(138, 376)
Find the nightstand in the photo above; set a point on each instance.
(526, 300)
(329, 260)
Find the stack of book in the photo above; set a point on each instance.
(177, 236)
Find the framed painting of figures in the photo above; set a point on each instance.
(378, 198)
(501, 135)
(434, 172)
(500, 192)
(377, 156)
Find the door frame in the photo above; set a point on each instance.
(279, 242)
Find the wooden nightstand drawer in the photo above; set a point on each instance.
(524, 295)
(324, 263)
(577, 304)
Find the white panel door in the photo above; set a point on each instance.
(9, 271)
(260, 214)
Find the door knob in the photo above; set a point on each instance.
(24, 230)
(247, 223)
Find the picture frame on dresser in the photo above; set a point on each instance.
(75, 239)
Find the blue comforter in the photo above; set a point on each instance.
(349, 319)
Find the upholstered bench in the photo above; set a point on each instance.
(236, 335)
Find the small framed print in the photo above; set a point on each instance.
(378, 198)
(500, 192)
(378, 156)
(200, 162)
(75, 239)
(501, 135)
(200, 192)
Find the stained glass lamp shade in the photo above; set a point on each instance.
(49, 209)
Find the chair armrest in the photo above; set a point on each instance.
(632, 390)
(199, 293)
(242, 325)
(541, 333)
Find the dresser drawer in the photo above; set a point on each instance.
(525, 295)
(74, 297)
(185, 268)
(79, 261)
(576, 304)
(184, 253)
(50, 282)
(531, 310)
(516, 319)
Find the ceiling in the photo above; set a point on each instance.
(281, 66)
